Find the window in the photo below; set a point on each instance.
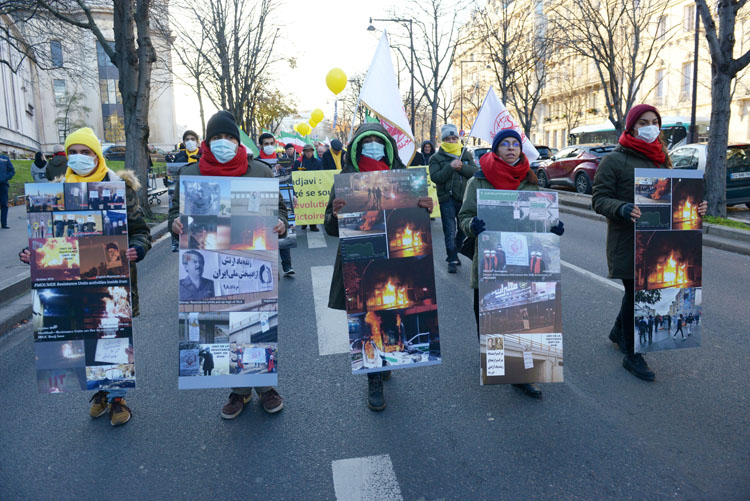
(592, 100)
(56, 54)
(685, 158)
(60, 90)
(687, 80)
(62, 130)
(660, 86)
(688, 17)
(661, 27)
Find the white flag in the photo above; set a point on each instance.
(494, 117)
(380, 93)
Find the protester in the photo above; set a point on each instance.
(58, 164)
(321, 150)
(6, 174)
(307, 162)
(332, 159)
(223, 155)
(268, 154)
(39, 168)
(192, 151)
(371, 149)
(290, 153)
(504, 168)
(450, 169)
(86, 164)
(613, 197)
(423, 157)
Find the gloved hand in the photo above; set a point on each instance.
(558, 229)
(477, 226)
(626, 210)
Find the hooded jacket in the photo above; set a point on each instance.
(38, 172)
(449, 182)
(422, 158)
(56, 166)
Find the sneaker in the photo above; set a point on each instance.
(638, 366)
(452, 268)
(119, 413)
(288, 271)
(99, 405)
(235, 405)
(530, 389)
(375, 397)
(271, 401)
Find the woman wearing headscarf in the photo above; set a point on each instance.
(39, 168)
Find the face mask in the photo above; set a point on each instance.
(374, 150)
(268, 149)
(191, 145)
(81, 164)
(223, 149)
(648, 133)
(452, 148)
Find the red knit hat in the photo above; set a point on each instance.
(635, 113)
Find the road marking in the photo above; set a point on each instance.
(367, 478)
(331, 324)
(316, 239)
(162, 238)
(593, 276)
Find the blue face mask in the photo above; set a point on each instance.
(223, 149)
(374, 150)
(81, 164)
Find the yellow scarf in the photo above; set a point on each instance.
(192, 155)
(86, 137)
(96, 175)
(452, 148)
(336, 159)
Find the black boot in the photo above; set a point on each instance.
(375, 397)
(638, 366)
(530, 389)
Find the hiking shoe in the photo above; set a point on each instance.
(375, 397)
(99, 405)
(235, 405)
(386, 375)
(119, 413)
(289, 271)
(452, 268)
(530, 389)
(271, 401)
(638, 366)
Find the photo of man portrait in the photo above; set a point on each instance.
(195, 287)
(112, 253)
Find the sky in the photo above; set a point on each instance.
(321, 34)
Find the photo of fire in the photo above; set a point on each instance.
(668, 259)
(72, 312)
(393, 339)
(356, 224)
(253, 233)
(687, 194)
(408, 232)
(54, 259)
(45, 197)
(653, 190)
(381, 190)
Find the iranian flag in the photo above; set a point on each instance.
(293, 138)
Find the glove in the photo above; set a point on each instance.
(140, 251)
(477, 226)
(626, 210)
(558, 229)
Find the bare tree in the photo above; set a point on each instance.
(69, 106)
(446, 106)
(724, 69)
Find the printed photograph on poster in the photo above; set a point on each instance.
(45, 197)
(668, 259)
(687, 194)
(254, 233)
(654, 217)
(69, 312)
(365, 247)
(103, 256)
(198, 359)
(61, 380)
(68, 354)
(504, 255)
(377, 284)
(409, 232)
(668, 319)
(653, 190)
(108, 377)
(357, 224)
(255, 197)
(495, 355)
(243, 327)
(518, 307)
(54, 260)
(40, 225)
(108, 351)
(106, 196)
(380, 190)
(393, 339)
(77, 224)
(205, 232)
(114, 222)
(287, 191)
(205, 196)
(518, 211)
(527, 358)
(76, 196)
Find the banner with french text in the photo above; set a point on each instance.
(312, 189)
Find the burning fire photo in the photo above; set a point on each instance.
(409, 232)
(205, 232)
(668, 259)
(686, 196)
(653, 190)
(382, 190)
(55, 259)
(361, 223)
(252, 233)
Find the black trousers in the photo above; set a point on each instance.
(626, 317)
(476, 309)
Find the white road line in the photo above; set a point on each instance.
(331, 324)
(368, 478)
(316, 239)
(593, 276)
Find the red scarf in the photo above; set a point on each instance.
(264, 156)
(367, 164)
(653, 151)
(502, 175)
(209, 166)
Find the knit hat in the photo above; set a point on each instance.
(288, 145)
(308, 147)
(448, 130)
(222, 123)
(505, 133)
(86, 137)
(635, 113)
(189, 133)
(336, 145)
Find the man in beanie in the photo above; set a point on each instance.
(450, 169)
(332, 159)
(223, 155)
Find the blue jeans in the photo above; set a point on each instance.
(452, 231)
(4, 204)
(115, 393)
(286, 258)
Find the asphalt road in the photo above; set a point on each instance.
(601, 434)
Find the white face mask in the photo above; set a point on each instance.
(649, 133)
(82, 165)
(269, 149)
(191, 145)
(223, 149)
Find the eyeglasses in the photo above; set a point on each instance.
(514, 144)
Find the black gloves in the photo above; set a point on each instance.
(626, 210)
(477, 226)
(558, 229)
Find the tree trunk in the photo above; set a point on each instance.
(201, 111)
(716, 170)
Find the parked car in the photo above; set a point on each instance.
(114, 152)
(573, 166)
(693, 156)
(479, 151)
(545, 153)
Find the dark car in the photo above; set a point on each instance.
(545, 153)
(114, 152)
(573, 166)
(479, 151)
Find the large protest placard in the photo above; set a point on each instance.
(80, 280)
(313, 188)
(228, 287)
(389, 279)
(520, 314)
(668, 259)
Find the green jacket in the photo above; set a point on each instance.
(469, 210)
(450, 183)
(614, 187)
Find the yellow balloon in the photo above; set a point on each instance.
(304, 128)
(312, 123)
(336, 81)
(295, 127)
(317, 116)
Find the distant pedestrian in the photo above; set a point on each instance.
(423, 157)
(307, 162)
(58, 164)
(642, 328)
(39, 168)
(680, 324)
(669, 323)
(334, 157)
(690, 323)
(6, 174)
(650, 328)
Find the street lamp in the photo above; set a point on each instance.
(461, 90)
(411, 50)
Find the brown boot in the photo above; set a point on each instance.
(271, 401)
